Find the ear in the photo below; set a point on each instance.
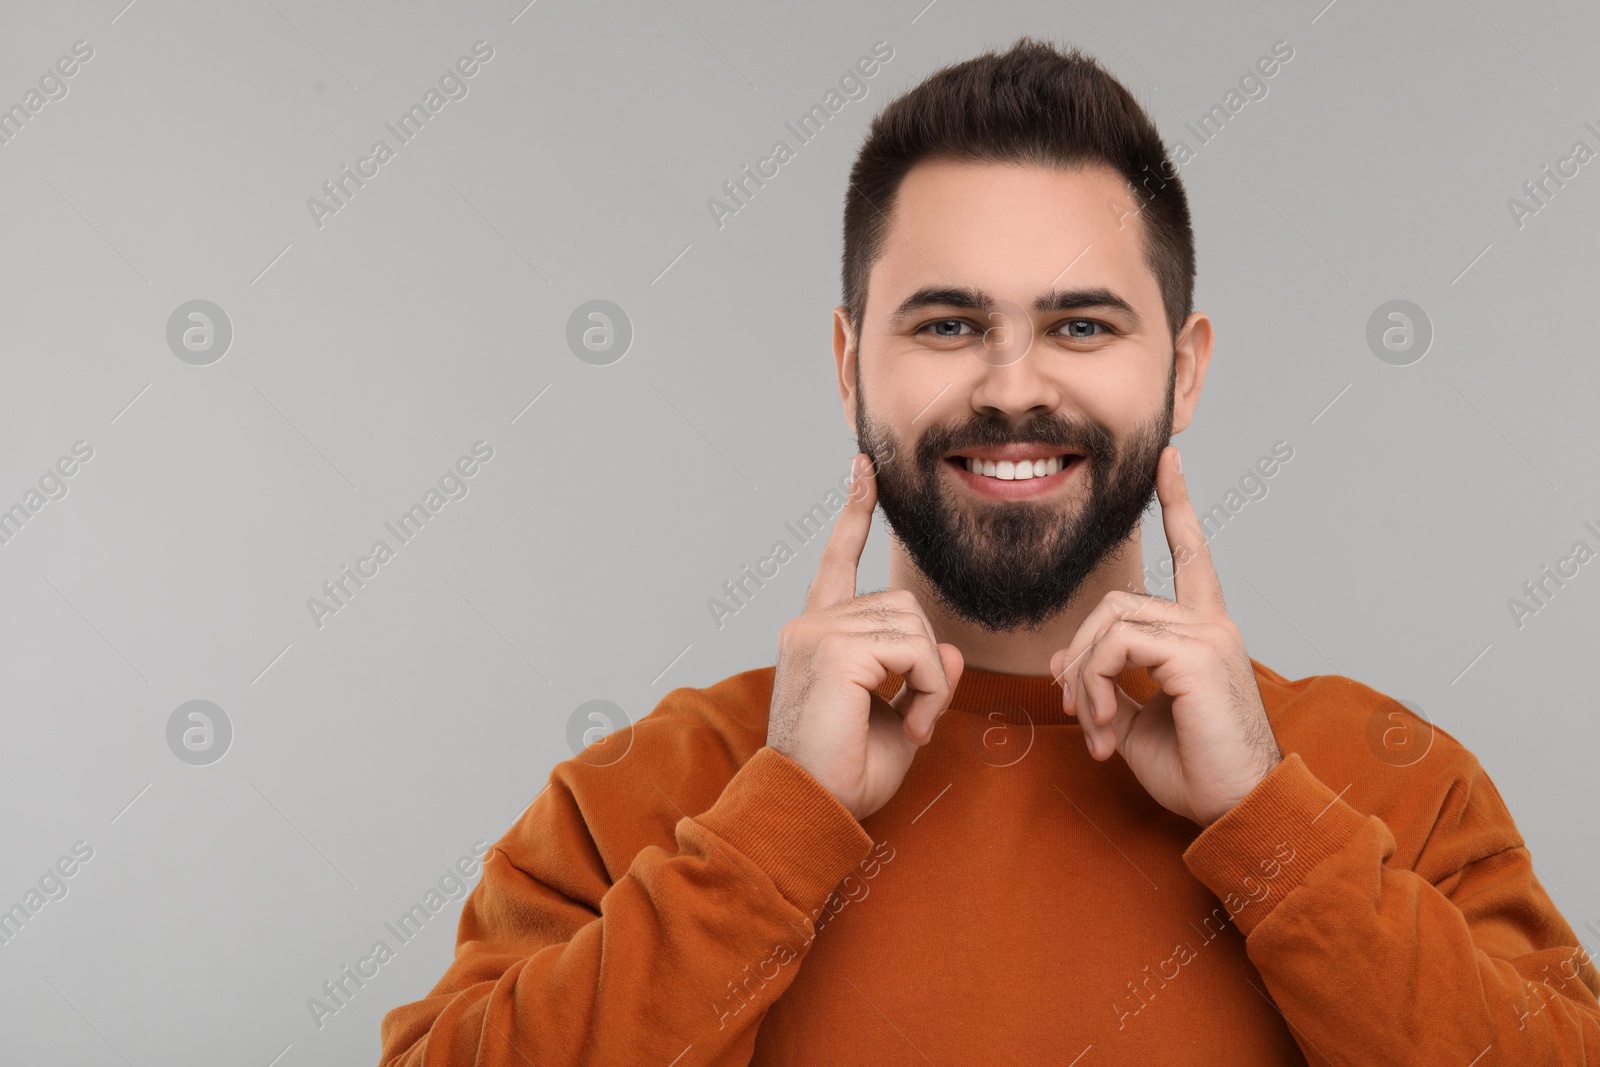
(1191, 355)
(844, 358)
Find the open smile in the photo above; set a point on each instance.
(1028, 475)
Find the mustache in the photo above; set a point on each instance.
(1086, 439)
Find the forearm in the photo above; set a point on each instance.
(685, 955)
(1371, 964)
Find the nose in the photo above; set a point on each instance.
(1013, 374)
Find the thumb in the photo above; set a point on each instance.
(954, 664)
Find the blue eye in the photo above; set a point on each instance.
(1080, 336)
(946, 322)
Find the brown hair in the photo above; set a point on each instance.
(1034, 104)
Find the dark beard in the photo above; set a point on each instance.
(1009, 565)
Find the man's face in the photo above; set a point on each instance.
(940, 374)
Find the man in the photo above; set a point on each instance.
(1013, 809)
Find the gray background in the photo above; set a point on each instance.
(369, 354)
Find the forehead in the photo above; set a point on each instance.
(1013, 229)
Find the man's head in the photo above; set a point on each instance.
(1030, 260)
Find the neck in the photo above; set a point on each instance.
(1020, 651)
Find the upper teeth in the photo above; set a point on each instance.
(1015, 471)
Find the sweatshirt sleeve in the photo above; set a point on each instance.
(556, 965)
(1463, 960)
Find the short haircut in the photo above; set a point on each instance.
(1034, 104)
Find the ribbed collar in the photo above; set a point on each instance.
(1032, 698)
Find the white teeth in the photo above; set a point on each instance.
(1008, 470)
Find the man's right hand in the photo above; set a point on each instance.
(824, 715)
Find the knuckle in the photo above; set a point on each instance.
(1157, 628)
(871, 611)
(1126, 603)
(903, 599)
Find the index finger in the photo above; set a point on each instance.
(835, 580)
(1194, 578)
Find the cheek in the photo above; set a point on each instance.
(1116, 385)
(1122, 395)
(921, 392)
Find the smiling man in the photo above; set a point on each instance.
(1013, 808)
(1037, 457)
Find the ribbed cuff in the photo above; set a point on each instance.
(1259, 851)
(790, 826)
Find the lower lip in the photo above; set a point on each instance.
(1001, 489)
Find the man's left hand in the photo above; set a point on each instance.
(1202, 741)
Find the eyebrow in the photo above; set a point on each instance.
(977, 300)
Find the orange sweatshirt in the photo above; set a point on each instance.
(703, 900)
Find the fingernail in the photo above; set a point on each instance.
(1177, 458)
(855, 466)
